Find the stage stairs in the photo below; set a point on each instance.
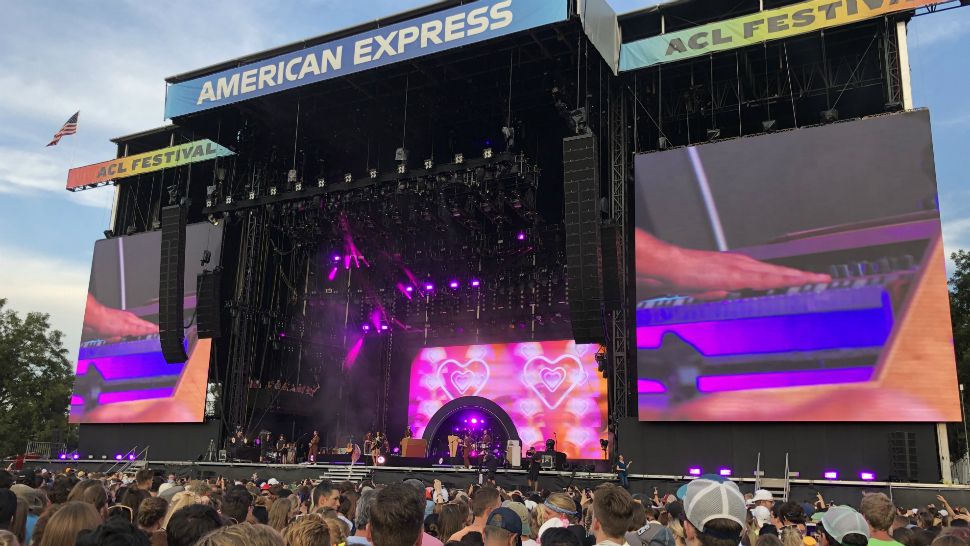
(779, 487)
(346, 473)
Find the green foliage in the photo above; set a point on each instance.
(35, 380)
(959, 288)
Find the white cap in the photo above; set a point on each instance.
(762, 514)
(273, 481)
(840, 521)
(705, 500)
(762, 495)
(165, 487)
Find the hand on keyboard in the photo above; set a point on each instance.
(663, 268)
(106, 322)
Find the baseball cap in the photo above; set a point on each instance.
(523, 513)
(761, 495)
(762, 514)
(273, 481)
(682, 490)
(840, 521)
(506, 518)
(706, 500)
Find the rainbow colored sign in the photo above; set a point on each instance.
(758, 27)
(175, 156)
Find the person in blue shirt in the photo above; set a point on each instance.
(621, 467)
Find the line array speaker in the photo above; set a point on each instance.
(583, 253)
(902, 456)
(209, 308)
(171, 285)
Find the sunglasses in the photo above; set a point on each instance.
(121, 509)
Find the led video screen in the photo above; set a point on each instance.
(796, 276)
(549, 389)
(121, 375)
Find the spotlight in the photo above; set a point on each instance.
(476, 283)
(453, 284)
(428, 287)
(272, 190)
(384, 327)
(228, 199)
(336, 258)
(474, 421)
(397, 450)
(76, 456)
(768, 125)
(831, 475)
(830, 115)
(118, 456)
(372, 173)
(488, 153)
(62, 456)
(867, 476)
(429, 164)
(402, 168)
(252, 195)
(694, 471)
(459, 158)
(366, 327)
(131, 457)
(321, 182)
(724, 472)
(298, 186)
(713, 134)
(520, 236)
(381, 460)
(348, 178)
(409, 289)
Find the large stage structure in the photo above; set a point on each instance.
(419, 213)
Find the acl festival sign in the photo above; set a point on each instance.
(133, 165)
(463, 25)
(758, 27)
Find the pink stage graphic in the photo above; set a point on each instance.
(550, 389)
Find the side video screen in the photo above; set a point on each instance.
(796, 276)
(121, 374)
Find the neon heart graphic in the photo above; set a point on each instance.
(462, 379)
(553, 380)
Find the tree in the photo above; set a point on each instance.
(959, 288)
(35, 380)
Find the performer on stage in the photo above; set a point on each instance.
(354, 452)
(466, 448)
(281, 449)
(621, 468)
(377, 447)
(534, 467)
(408, 434)
(487, 440)
(453, 442)
(314, 447)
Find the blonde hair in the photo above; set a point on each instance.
(71, 519)
(179, 501)
(559, 500)
(280, 514)
(338, 529)
(677, 528)
(308, 531)
(243, 534)
(790, 536)
(8, 539)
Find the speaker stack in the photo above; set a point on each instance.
(171, 285)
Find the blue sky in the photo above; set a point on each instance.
(109, 60)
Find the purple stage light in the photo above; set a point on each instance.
(131, 457)
(476, 283)
(428, 287)
(118, 456)
(366, 327)
(409, 289)
(867, 476)
(384, 327)
(694, 471)
(474, 421)
(474, 454)
(520, 236)
(62, 456)
(381, 460)
(397, 450)
(453, 284)
(336, 258)
(831, 475)
(724, 472)
(76, 456)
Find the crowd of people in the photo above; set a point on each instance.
(40, 508)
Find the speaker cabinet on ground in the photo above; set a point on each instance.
(583, 253)
(171, 285)
(209, 308)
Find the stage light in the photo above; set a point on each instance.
(694, 471)
(867, 476)
(348, 178)
(397, 450)
(409, 289)
(831, 475)
(724, 472)
(298, 186)
(474, 421)
(131, 457)
(272, 190)
(428, 287)
(459, 158)
(118, 456)
(488, 153)
(476, 283)
(252, 195)
(520, 236)
(384, 327)
(366, 327)
(228, 199)
(429, 164)
(372, 173)
(453, 284)
(321, 182)
(76, 456)
(336, 258)
(381, 460)
(62, 456)
(402, 168)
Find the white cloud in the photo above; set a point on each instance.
(34, 282)
(936, 29)
(29, 172)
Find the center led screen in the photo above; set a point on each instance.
(796, 276)
(549, 389)
(121, 375)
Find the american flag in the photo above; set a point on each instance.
(69, 128)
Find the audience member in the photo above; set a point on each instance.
(396, 516)
(189, 524)
(65, 525)
(308, 531)
(879, 513)
(503, 528)
(243, 534)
